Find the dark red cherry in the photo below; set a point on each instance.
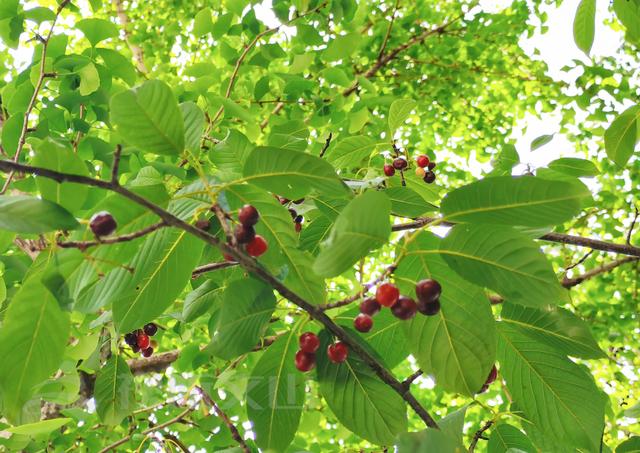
(150, 329)
(369, 306)
(389, 170)
(147, 352)
(309, 342)
(405, 308)
(131, 338)
(337, 352)
(363, 323)
(248, 215)
(244, 234)
(493, 374)
(428, 290)
(431, 165)
(429, 177)
(305, 361)
(399, 163)
(428, 308)
(103, 224)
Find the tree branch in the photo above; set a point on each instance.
(249, 264)
(198, 271)
(227, 421)
(136, 51)
(157, 363)
(83, 245)
(571, 282)
(478, 435)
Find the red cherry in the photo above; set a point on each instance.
(422, 161)
(147, 352)
(404, 309)
(143, 341)
(428, 290)
(309, 342)
(305, 361)
(493, 374)
(387, 294)
(298, 227)
(399, 163)
(428, 308)
(389, 170)
(363, 323)
(248, 215)
(337, 352)
(102, 224)
(257, 246)
(369, 306)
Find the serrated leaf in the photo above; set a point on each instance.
(555, 326)
(458, 345)
(33, 336)
(247, 306)
(555, 394)
(276, 395)
(53, 156)
(230, 155)
(24, 214)
(540, 141)
(407, 203)
(292, 174)
(359, 399)
(584, 25)
(193, 118)
(526, 201)
(621, 136)
(399, 112)
(114, 391)
(574, 166)
(504, 260)
(201, 300)
(362, 226)
(505, 437)
(314, 233)
(149, 118)
(351, 151)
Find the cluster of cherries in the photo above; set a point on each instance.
(400, 163)
(139, 339)
(309, 344)
(388, 295)
(297, 219)
(102, 224)
(245, 233)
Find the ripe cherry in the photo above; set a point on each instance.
(244, 234)
(298, 227)
(369, 306)
(387, 294)
(399, 163)
(428, 308)
(150, 329)
(135, 348)
(363, 323)
(248, 215)
(147, 352)
(420, 172)
(431, 165)
(131, 338)
(389, 170)
(405, 308)
(305, 361)
(337, 352)
(493, 374)
(428, 290)
(102, 224)
(257, 246)
(143, 341)
(309, 342)
(429, 177)
(422, 161)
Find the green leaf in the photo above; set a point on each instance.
(539, 142)
(621, 136)
(202, 24)
(399, 112)
(193, 118)
(505, 160)
(343, 46)
(574, 166)
(448, 438)
(292, 174)
(247, 306)
(359, 399)
(555, 326)
(628, 12)
(276, 395)
(163, 266)
(96, 30)
(53, 156)
(89, 79)
(584, 25)
(351, 151)
(504, 437)
(33, 336)
(39, 429)
(277, 228)
(555, 394)
(362, 226)
(119, 65)
(201, 300)
(526, 201)
(230, 154)
(631, 445)
(458, 345)
(407, 203)
(114, 391)
(149, 118)
(24, 214)
(504, 260)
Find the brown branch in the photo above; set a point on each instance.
(22, 139)
(136, 51)
(388, 34)
(408, 381)
(479, 435)
(249, 264)
(326, 145)
(83, 245)
(225, 418)
(633, 224)
(210, 267)
(222, 218)
(115, 166)
(155, 364)
(580, 261)
(153, 429)
(571, 282)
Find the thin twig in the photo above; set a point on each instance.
(633, 224)
(83, 245)
(360, 294)
(115, 167)
(225, 418)
(222, 218)
(210, 267)
(479, 435)
(408, 381)
(386, 36)
(571, 282)
(326, 145)
(580, 261)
